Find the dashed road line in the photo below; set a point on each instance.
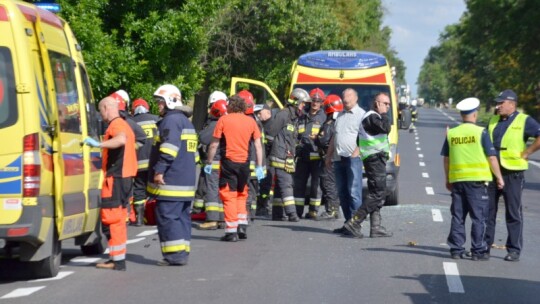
(534, 163)
(82, 261)
(418, 149)
(416, 143)
(429, 190)
(437, 215)
(425, 175)
(452, 278)
(59, 276)
(421, 155)
(422, 164)
(148, 232)
(22, 292)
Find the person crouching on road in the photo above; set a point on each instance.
(374, 149)
(468, 156)
(119, 167)
(233, 133)
(172, 175)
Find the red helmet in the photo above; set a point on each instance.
(248, 99)
(219, 108)
(139, 102)
(317, 94)
(332, 104)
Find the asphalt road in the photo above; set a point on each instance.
(305, 262)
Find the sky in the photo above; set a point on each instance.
(416, 25)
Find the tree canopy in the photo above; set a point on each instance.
(493, 47)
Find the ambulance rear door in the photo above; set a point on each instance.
(260, 90)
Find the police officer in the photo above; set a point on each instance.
(468, 157)
(308, 162)
(213, 206)
(147, 122)
(283, 129)
(172, 176)
(510, 131)
(332, 106)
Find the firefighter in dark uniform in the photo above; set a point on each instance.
(147, 121)
(213, 206)
(374, 149)
(119, 167)
(172, 175)
(283, 129)
(509, 131)
(308, 159)
(469, 160)
(332, 106)
(263, 115)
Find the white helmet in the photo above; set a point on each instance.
(171, 95)
(414, 103)
(215, 96)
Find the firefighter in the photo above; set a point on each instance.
(147, 121)
(263, 115)
(119, 167)
(332, 106)
(253, 188)
(233, 133)
(308, 162)
(213, 205)
(122, 98)
(283, 130)
(172, 175)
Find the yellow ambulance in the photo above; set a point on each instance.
(333, 72)
(49, 182)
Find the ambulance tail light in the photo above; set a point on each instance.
(3, 14)
(31, 166)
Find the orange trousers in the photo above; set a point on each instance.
(114, 219)
(234, 207)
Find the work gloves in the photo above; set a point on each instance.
(91, 142)
(259, 172)
(208, 169)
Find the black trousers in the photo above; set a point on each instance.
(375, 172)
(513, 187)
(329, 188)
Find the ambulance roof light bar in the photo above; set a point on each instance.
(343, 60)
(49, 6)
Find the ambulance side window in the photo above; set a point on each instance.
(65, 85)
(8, 99)
(93, 118)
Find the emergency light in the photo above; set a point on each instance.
(342, 60)
(51, 7)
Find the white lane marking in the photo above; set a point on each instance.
(437, 215)
(417, 143)
(135, 240)
(425, 175)
(416, 138)
(22, 292)
(59, 276)
(147, 233)
(418, 149)
(452, 278)
(534, 163)
(422, 164)
(82, 261)
(421, 155)
(430, 191)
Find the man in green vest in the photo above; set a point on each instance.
(469, 160)
(374, 149)
(509, 130)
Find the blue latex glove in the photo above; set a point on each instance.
(91, 142)
(259, 172)
(208, 169)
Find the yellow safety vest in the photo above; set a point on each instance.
(467, 160)
(512, 143)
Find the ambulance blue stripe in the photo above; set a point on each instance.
(12, 187)
(11, 170)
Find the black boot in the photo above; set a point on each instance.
(242, 232)
(139, 214)
(376, 229)
(278, 213)
(229, 237)
(354, 226)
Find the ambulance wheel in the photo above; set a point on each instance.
(98, 243)
(392, 197)
(49, 266)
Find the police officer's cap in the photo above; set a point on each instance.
(468, 105)
(506, 95)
